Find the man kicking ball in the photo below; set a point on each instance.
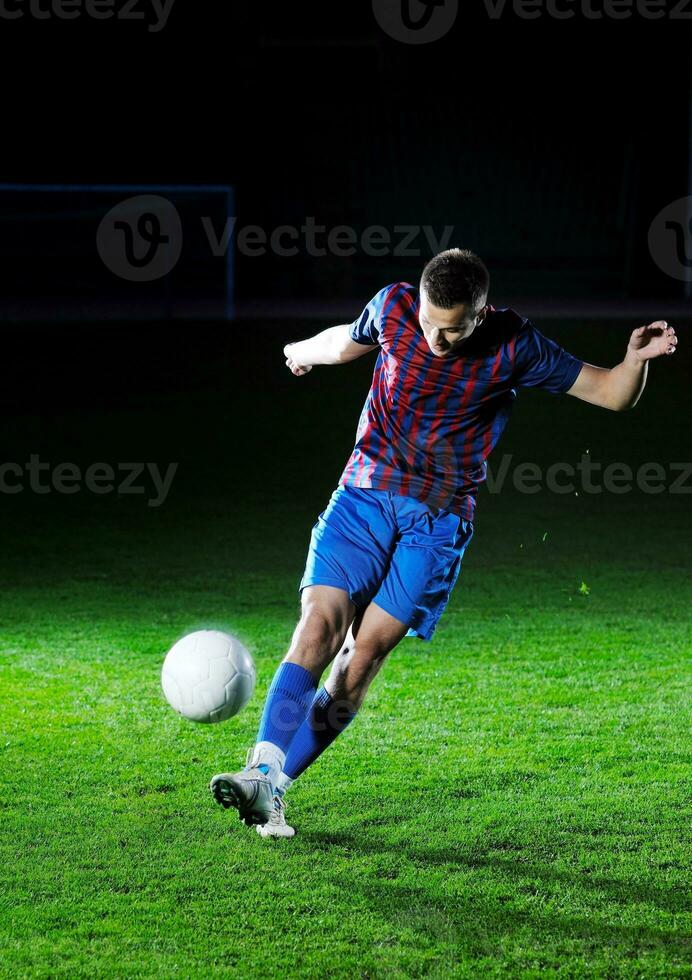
(386, 552)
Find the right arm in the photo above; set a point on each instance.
(332, 346)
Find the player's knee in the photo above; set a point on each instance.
(358, 666)
(319, 633)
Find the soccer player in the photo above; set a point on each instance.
(386, 552)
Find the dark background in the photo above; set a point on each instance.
(512, 802)
(549, 146)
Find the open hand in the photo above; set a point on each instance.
(652, 341)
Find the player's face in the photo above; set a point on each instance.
(446, 330)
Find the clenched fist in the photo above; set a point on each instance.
(296, 367)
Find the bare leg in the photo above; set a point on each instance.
(326, 614)
(373, 635)
(336, 705)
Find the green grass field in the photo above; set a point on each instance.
(512, 800)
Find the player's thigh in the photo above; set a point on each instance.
(376, 632)
(351, 543)
(424, 567)
(325, 617)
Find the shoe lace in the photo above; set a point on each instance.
(278, 814)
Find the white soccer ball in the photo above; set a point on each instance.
(208, 676)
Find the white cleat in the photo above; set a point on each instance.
(248, 791)
(276, 826)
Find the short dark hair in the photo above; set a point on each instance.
(454, 277)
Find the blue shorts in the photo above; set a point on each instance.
(395, 551)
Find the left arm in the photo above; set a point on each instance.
(621, 387)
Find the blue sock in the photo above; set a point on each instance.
(286, 706)
(325, 720)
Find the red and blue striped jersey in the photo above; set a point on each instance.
(429, 424)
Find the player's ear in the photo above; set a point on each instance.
(482, 314)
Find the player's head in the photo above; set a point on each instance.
(453, 299)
